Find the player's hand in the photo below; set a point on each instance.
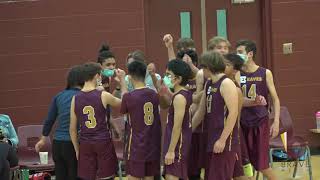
(117, 79)
(169, 158)
(120, 74)
(40, 144)
(151, 69)
(168, 40)
(219, 146)
(186, 58)
(100, 88)
(260, 100)
(274, 129)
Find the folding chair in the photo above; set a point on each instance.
(292, 142)
(14, 173)
(28, 157)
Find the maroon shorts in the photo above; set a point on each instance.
(97, 159)
(142, 169)
(178, 169)
(257, 143)
(238, 168)
(244, 151)
(198, 153)
(220, 166)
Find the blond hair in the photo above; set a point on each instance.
(213, 42)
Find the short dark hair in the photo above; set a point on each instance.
(137, 70)
(213, 61)
(249, 46)
(137, 55)
(235, 60)
(74, 77)
(180, 68)
(190, 52)
(104, 54)
(89, 70)
(185, 43)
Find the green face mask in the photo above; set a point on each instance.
(243, 57)
(167, 82)
(107, 72)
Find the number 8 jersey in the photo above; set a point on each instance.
(91, 115)
(253, 84)
(144, 127)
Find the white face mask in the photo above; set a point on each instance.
(244, 57)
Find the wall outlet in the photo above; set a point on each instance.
(287, 48)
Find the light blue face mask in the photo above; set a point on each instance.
(167, 81)
(107, 72)
(244, 57)
(128, 83)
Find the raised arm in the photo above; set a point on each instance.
(201, 111)
(196, 97)
(156, 78)
(108, 98)
(168, 40)
(121, 76)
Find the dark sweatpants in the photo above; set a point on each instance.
(65, 160)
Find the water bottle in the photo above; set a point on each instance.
(318, 119)
(247, 168)
(25, 174)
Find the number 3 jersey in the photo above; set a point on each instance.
(253, 84)
(91, 115)
(144, 136)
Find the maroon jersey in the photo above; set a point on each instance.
(91, 115)
(142, 107)
(217, 113)
(183, 145)
(191, 85)
(254, 84)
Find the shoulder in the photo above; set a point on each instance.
(227, 84)
(227, 81)
(60, 94)
(268, 72)
(4, 117)
(200, 75)
(105, 94)
(179, 98)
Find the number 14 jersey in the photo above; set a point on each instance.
(253, 84)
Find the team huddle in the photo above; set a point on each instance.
(217, 117)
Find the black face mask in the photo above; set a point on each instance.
(191, 53)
